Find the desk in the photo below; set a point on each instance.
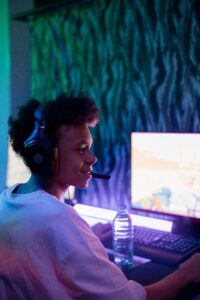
(151, 272)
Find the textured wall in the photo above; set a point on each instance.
(139, 60)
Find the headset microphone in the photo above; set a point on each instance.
(101, 176)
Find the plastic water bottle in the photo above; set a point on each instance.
(123, 239)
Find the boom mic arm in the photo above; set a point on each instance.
(101, 176)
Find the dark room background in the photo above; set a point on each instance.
(138, 59)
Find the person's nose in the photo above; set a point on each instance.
(91, 159)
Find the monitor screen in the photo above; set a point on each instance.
(165, 173)
(17, 172)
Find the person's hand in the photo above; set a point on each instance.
(103, 231)
(192, 267)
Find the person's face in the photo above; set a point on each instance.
(75, 156)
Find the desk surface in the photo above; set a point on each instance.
(151, 272)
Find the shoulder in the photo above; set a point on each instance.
(62, 220)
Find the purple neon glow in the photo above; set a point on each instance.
(93, 215)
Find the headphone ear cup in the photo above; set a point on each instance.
(39, 151)
(41, 160)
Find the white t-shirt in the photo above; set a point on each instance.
(47, 252)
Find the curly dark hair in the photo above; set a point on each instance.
(69, 110)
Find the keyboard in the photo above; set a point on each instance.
(165, 247)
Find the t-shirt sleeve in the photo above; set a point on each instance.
(86, 271)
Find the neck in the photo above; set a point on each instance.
(39, 183)
(49, 185)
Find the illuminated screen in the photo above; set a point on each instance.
(17, 172)
(165, 173)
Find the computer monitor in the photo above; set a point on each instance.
(165, 175)
(17, 172)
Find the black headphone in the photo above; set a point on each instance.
(41, 154)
